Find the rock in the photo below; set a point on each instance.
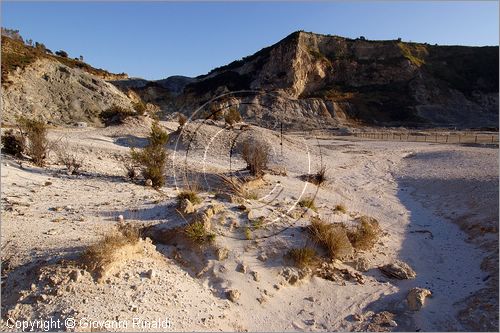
(150, 274)
(148, 183)
(120, 218)
(255, 276)
(398, 270)
(47, 183)
(75, 275)
(186, 207)
(233, 295)
(416, 298)
(262, 256)
(293, 275)
(262, 299)
(382, 322)
(241, 268)
(361, 264)
(222, 253)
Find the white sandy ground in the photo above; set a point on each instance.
(412, 189)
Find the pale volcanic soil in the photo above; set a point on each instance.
(437, 206)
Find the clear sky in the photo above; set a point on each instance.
(154, 40)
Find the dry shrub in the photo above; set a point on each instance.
(153, 157)
(256, 154)
(71, 161)
(333, 237)
(232, 116)
(182, 119)
(303, 256)
(130, 170)
(35, 133)
(13, 143)
(197, 233)
(115, 115)
(237, 186)
(140, 107)
(190, 189)
(308, 202)
(366, 233)
(103, 253)
(319, 178)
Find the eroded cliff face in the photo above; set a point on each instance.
(316, 79)
(58, 94)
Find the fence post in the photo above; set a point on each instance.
(492, 139)
(459, 139)
(475, 140)
(425, 138)
(436, 137)
(446, 138)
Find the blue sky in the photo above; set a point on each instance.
(154, 40)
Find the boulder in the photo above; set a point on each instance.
(241, 268)
(416, 298)
(398, 270)
(222, 253)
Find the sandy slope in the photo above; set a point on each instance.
(409, 187)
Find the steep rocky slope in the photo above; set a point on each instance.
(56, 89)
(323, 79)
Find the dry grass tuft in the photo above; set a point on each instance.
(303, 256)
(237, 186)
(333, 237)
(103, 253)
(70, 160)
(191, 195)
(307, 202)
(319, 178)
(366, 233)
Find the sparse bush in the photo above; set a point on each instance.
(333, 237)
(35, 133)
(140, 107)
(256, 154)
(153, 157)
(182, 119)
(62, 53)
(303, 256)
(308, 202)
(318, 178)
(366, 233)
(197, 233)
(340, 208)
(70, 160)
(12, 143)
(115, 115)
(232, 116)
(248, 233)
(102, 253)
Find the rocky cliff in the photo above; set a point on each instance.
(57, 89)
(312, 79)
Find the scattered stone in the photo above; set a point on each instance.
(148, 183)
(416, 298)
(241, 268)
(233, 295)
(186, 207)
(222, 253)
(310, 299)
(398, 270)
(310, 322)
(75, 275)
(262, 299)
(255, 276)
(47, 183)
(120, 218)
